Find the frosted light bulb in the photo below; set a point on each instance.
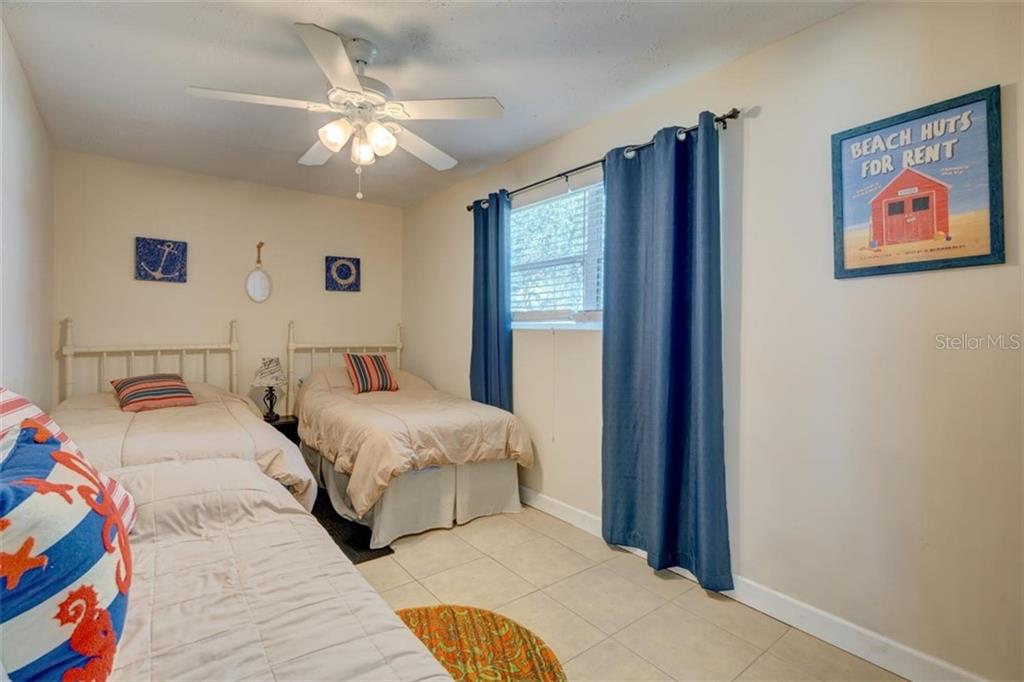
(381, 139)
(362, 152)
(335, 134)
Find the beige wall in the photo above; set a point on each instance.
(102, 204)
(26, 237)
(870, 475)
(1020, 259)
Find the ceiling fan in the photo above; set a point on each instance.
(367, 113)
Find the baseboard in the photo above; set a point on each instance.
(859, 641)
(583, 520)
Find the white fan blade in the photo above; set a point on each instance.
(317, 155)
(269, 100)
(459, 108)
(423, 150)
(329, 52)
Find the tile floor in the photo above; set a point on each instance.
(606, 614)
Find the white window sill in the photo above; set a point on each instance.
(557, 326)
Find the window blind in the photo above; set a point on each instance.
(557, 257)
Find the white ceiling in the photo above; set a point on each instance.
(109, 78)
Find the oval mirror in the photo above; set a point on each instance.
(257, 285)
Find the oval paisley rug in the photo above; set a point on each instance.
(476, 645)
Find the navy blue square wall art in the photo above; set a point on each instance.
(342, 273)
(161, 260)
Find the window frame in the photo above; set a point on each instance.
(592, 261)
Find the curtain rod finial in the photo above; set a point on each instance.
(724, 118)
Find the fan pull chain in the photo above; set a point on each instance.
(359, 175)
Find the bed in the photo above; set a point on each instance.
(233, 579)
(221, 425)
(406, 461)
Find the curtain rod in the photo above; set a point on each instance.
(564, 175)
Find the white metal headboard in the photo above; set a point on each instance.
(331, 349)
(69, 352)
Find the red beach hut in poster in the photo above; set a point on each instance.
(912, 207)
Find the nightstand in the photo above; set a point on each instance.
(289, 426)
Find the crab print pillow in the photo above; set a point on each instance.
(65, 563)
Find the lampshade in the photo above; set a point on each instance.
(269, 373)
(362, 152)
(335, 134)
(381, 139)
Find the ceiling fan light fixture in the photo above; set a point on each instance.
(362, 152)
(381, 139)
(335, 134)
(357, 101)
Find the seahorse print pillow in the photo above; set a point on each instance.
(65, 563)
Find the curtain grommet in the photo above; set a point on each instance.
(681, 134)
(629, 152)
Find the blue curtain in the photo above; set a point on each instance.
(490, 365)
(663, 474)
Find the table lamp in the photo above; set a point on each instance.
(270, 376)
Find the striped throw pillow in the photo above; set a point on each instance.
(67, 564)
(151, 392)
(370, 372)
(15, 409)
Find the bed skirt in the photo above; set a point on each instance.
(416, 501)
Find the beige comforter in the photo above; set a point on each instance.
(233, 580)
(221, 425)
(374, 437)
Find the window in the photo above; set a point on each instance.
(557, 255)
(919, 204)
(895, 208)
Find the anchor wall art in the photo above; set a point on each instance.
(161, 260)
(342, 273)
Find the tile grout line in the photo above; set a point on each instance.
(595, 625)
(667, 601)
(592, 646)
(733, 634)
(540, 534)
(514, 544)
(541, 587)
(430, 592)
(581, 616)
(462, 563)
(523, 596)
(598, 627)
(779, 638)
(613, 635)
(596, 564)
(749, 665)
(552, 537)
(640, 655)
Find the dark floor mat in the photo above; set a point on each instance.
(353, 538)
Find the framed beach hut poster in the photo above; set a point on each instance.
(920, 191)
